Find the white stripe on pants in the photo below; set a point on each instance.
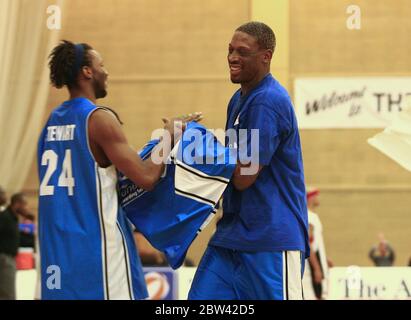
(292, 284)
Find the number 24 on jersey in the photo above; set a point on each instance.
(66, 179)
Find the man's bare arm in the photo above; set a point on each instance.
(105, 133)
(243, 181)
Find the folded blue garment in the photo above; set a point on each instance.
(183, 201)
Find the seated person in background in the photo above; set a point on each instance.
(9, 244)
(27, 230)
(150, 256)
(382, 254)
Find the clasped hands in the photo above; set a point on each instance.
(176, 125)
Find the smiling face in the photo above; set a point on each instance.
(248, 62)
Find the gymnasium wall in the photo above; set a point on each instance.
(362, 191)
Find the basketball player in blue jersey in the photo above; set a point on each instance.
(260, 244)
(87, 250)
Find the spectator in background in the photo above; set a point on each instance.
(150, 256)
(9, 243)
(382, 254)
(3, 199)
(27, 232)
(315, 281)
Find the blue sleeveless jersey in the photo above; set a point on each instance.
(87, 249)
(183, 202)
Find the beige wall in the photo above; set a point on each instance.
(363, 192)
(169, 57)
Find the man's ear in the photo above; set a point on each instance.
(87, 72)
(267, 56)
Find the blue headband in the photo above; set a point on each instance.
(79, 54)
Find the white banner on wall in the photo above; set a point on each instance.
(372, 102)
(345, 283)
(185, 279)
(370, 283)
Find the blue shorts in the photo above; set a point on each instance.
(225, 274)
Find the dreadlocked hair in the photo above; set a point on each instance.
(62, 61)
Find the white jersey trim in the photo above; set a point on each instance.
(200, 186)
(102, 233)
(128, 266)
(118, 278)
(292, 284)
(207, 221)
